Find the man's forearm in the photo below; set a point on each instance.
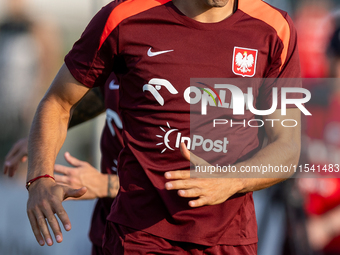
(278, 153)
(49, 126)
(283, 150)
(47, 135)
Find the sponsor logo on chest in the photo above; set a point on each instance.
(192, 143)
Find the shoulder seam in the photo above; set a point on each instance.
(125, 10)
(266, 13)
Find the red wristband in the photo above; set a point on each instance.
(28, 184)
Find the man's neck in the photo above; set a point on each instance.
(200, 11)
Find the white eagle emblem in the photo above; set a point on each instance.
(244, 62)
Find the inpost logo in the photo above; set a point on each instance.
(192, 143)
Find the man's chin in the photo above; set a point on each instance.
(217, 3)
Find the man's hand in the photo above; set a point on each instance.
(283, 150)
(210, 191)
(82, 174)
(17, 154)
(45, 197)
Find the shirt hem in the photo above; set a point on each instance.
(193, 239)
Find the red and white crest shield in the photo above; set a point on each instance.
(244, 61)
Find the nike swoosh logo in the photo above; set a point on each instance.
(156, 53)
(113, 86)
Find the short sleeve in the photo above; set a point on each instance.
(281, 73)
(90, 61)
(285, 61)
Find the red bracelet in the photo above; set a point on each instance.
(28, 184)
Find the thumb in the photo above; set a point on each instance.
(72, 160)
(185, 152)
(188, 155)
(76, 193)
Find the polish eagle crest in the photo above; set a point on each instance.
(244, 62)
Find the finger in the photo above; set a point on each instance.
(52, 221)
(6, 167)
(180, 184)
(69, 192)
(14, 150)
(199, 202)
(62, 179)
(12, 170)
(43, 227)
(35, 228)
(184, 151)
(62, 215)
(11, 164)
(72, 160)
(16, 158)
(188, 155)
(60, 169)
(179, 174)
(16, 153)
(194, 192)
(197, 161)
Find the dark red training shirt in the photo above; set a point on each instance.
(157, 50)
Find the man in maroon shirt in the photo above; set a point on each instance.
(157, 47)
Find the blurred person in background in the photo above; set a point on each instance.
(29, 53)
(104, 185)
(319, 197)
(314, 29)
(322, 196)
